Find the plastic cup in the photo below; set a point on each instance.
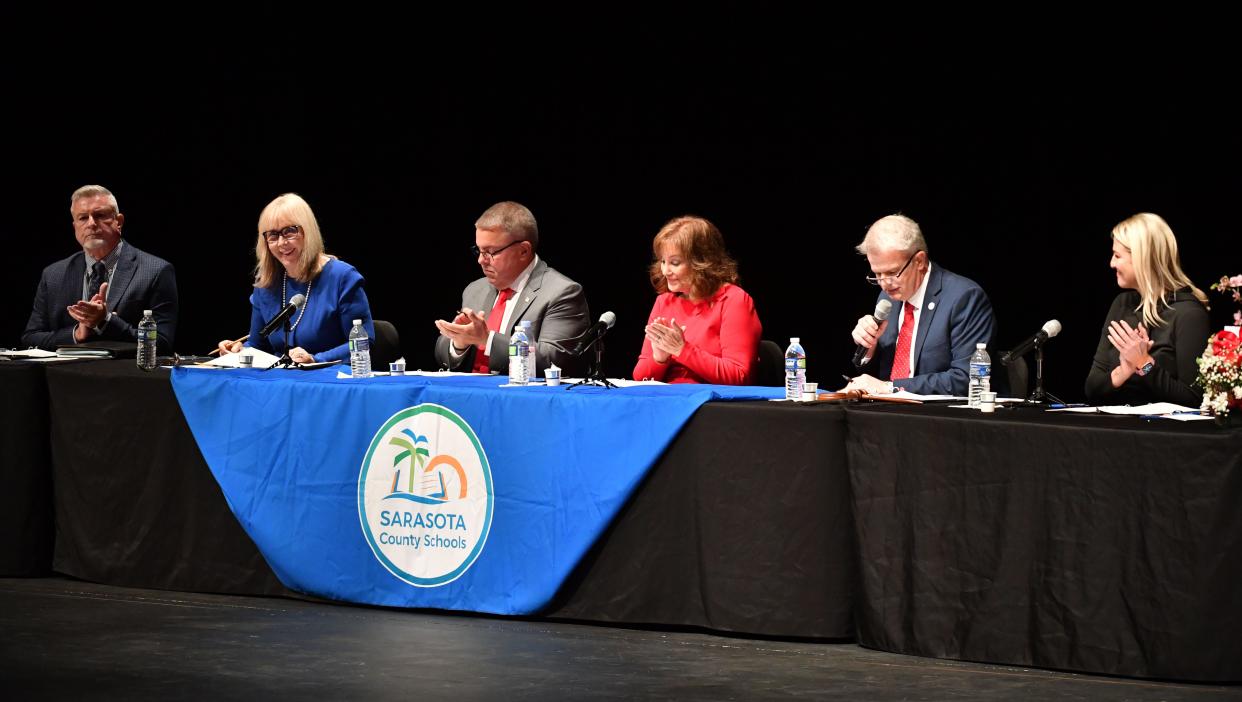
(396, 368)
(552, 376)
(810, 391)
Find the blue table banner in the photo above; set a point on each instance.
(422, 491)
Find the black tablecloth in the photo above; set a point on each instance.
(135, 503)
(26, 500)
(1085, 543)
(744, 525)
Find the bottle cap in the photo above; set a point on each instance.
(981, 345)
(795, 339)
(357, 322)
(146, 312)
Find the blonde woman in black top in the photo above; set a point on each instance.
(1156, 327)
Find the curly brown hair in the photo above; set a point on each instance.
(701, 243)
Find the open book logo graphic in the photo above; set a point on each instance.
(425, 495)
(429, 477)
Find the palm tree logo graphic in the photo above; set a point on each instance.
(426, 478)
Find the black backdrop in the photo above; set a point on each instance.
(1016, 157)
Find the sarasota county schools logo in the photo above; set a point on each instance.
(425, 495)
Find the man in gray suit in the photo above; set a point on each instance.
(100, 292)
(516, 286)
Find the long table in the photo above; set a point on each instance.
(1099, 544)
(1091, 543)
(26, 500)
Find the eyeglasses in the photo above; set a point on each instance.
(489, 255)
(100, 215)
(881, 279)
(289, 233)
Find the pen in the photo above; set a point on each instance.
(1063, 405)
(238, 341)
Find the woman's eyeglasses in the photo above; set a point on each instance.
(289, 233)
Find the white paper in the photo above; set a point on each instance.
(1148, 409)
(30, 353)
(262, 359)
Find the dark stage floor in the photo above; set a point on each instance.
(64, 639)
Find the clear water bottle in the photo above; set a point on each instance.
(795, 370)
(980, 374)
(147, 338)
(359, 351)
(519, 355)
(531, 372)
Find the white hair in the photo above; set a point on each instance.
(893, 233)
(93, 191)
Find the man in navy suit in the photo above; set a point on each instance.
(925, 345)
(100, 292)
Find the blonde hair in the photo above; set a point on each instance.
(1157, 267)
(288, 209)
(702, 245)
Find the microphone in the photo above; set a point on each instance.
(862, 354)
(1050, 329)
(595, 333)
(294, 303)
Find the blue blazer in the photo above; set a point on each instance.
(956, 315)
(141, 282)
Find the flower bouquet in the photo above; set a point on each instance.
(1220, 366)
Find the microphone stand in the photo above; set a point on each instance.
(595, 374)
(284, 361)
(1038, 396)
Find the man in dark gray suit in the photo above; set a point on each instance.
(100, 292)
(516, 286)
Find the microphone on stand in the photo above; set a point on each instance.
(862, 354)
(579, 344)
(1050, 329)
(285, 313)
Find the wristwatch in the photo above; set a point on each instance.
(1147, 367)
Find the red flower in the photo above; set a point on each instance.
(1227, 346)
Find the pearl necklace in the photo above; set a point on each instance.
(284, 279)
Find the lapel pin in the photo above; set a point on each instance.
(931, 305)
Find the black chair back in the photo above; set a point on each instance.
(770, 368)
(386, 347)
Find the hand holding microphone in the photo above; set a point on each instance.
(868, 331)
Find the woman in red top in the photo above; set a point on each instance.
(703, 328)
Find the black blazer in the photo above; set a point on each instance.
(141, 282)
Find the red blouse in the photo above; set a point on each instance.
(722, 339)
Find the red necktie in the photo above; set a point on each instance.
(901, 361)
(481, 359)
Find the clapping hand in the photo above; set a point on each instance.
(89, 313)
(667, 339)
(1132, 344)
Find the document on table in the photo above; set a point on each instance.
(1163, 410)
(262, 359)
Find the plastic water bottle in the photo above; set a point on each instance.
(795, 370)
(519, 356)
(531, 372)
(980, 374)
(147, 337)
(359, 351)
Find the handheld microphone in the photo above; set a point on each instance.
(862, 354)
(594, 334)
(294, 303)
(1050, 329)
